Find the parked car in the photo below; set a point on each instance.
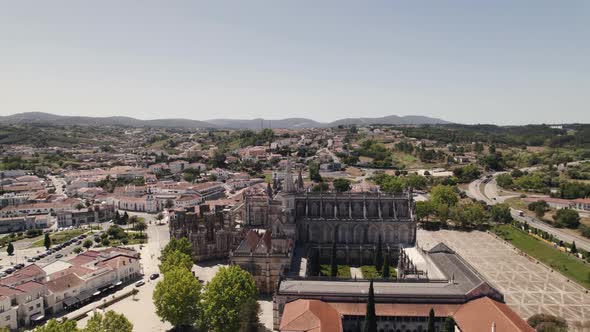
(154, 276)
(9, 271)
(139, 283)
(59, 256)
(31, 260)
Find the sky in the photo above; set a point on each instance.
(502, 61)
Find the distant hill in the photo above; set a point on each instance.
(39, 117)
(294, 123)
(290, 123)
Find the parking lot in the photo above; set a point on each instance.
(528, 287)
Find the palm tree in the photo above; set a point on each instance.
(141, 227)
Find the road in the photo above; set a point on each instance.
(58, 183)
(490, 196)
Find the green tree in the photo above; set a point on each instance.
(501, 213)
(183, 245)
(341, 185)
(424, 209)
(10, 249)
(539, 211)
(574, 249)
(333, 261)
(370, 316)
(443, 195)
(159, 217)
(169, 204)
(547, 323)
(177, 298)
(175, 260)
(567, 217)
(505, 180)
(54, 325)
(47, 241)
(110, 322)
(379, 254)
(141, 226)
(314, 172)
(449, 325)
(385, 273)
(87, 244)
(430, 324)
(249, 321)
(225, 295)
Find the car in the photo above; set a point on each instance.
(154, 276)
(139, 283)
(31, 260)
(9, 271)
(18, 266)
(2, 274)
(59, 256)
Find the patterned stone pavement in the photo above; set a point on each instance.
(528, 287)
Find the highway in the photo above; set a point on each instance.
(490, 196)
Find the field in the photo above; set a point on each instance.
(343, 271)
(370, 272)
(568, 265)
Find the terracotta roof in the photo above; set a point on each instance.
(27, 272)
(64, 283)
(582, 200)
(397, 309)
(480, 314)
(310, 315)
(84, 258)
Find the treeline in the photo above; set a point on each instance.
(444, 205)
(529, 135)
(544, 181)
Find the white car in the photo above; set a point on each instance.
(139, 283)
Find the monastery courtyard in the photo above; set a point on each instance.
(528, 287)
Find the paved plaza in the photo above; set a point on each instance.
(528, 287)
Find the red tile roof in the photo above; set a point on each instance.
(310, 315)
(479, 315)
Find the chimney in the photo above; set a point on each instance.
(493, 326)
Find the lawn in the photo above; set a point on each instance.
(59, 237)
(568, 265)
(343, 271)
(370, 272)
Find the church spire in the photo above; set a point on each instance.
(289, 185)
(300, 181)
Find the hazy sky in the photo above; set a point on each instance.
(506, 62)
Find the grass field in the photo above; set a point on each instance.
(370, 272)
(568, 265)
(59, 237)
(343, 271)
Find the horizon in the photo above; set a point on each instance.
(307, 118)
(500, 63)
